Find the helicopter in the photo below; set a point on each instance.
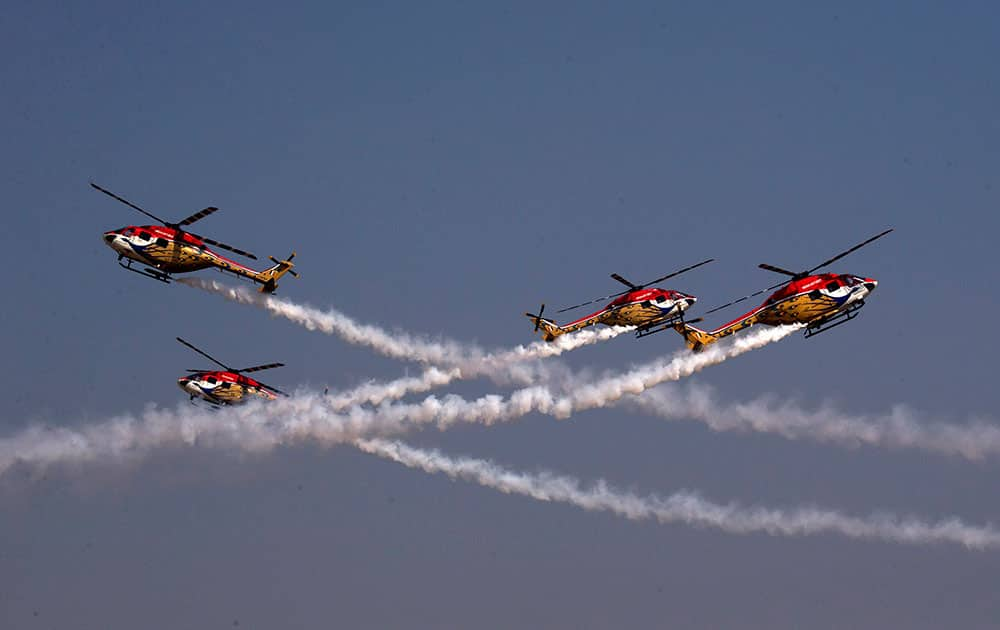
(228, 386)
(650, 310)
(169, 248)
(819, 301)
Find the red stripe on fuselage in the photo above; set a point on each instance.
(228, 377)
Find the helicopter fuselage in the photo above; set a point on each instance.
(168, 250)
(223, 388)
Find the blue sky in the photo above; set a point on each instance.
(440, 169)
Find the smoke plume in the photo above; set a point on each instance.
(517, 365)
(900, 427)
(687, 507)
(401, 345)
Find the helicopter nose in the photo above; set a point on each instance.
(109, 237)
(690, 300)
(871, 284)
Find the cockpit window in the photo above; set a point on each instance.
(832, 286)
(144, 236)
(661, 299)
(128, 232)
(212, 380)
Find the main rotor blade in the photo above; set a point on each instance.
(676, 273)
(777, 269)
(600, 299)
(273, 389)
(258, 368)
(198, 216)
(128, 203)
(855, 248)
(747, 297)
(206, 355)
(224, 246)
(624, 281)
(634, 287)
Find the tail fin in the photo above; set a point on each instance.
(269, 277)
(695, 338)
(550, 329)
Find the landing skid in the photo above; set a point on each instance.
(832, 322)
(148, 271)
(205, 404)
(651, 329)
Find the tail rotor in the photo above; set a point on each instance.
(537, 318)
(549, 329)
(287, 261)
(269, 277)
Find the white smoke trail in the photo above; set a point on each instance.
(332, 322)
(687, 507)
(900, 427)
(378, 393)
(503, 367)
(130, 438)
(401, 345)
(308, 417)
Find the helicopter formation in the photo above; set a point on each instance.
(817, 301)
(169, 248)
(650, 310)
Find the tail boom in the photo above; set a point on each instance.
(548, 328)
(696, 338)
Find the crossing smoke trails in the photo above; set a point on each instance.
(503, 367)
(686, 507)
(458, 361)
(899, 428)
(444, 412)
(378, 393)
(258, 426)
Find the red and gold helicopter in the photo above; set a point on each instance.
(650, 310)
(820, 301)
(226, 387)
(169, 248)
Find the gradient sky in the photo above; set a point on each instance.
(441, 167)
